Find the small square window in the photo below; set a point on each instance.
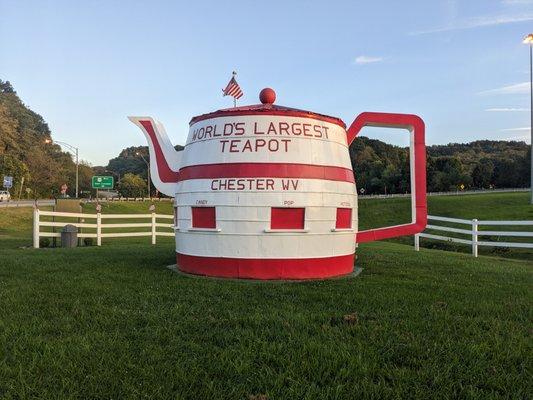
(344, 218)
(287, 218)
(204, 217)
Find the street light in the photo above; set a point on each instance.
(148, 174)
(529, 40)
(72, 148)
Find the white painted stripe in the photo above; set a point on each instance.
(335, 133)
(298, 151)
(266, 199)
(303, 186)
(265, 245)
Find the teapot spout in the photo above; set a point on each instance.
(164, 159)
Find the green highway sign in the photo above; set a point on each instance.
(102, 182)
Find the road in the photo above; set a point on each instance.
(47, 202)
(26, 203)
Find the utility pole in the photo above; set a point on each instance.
(148, 173)
(529, 40)
(71, 148)
(77, 168)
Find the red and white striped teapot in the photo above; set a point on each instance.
(268, 192)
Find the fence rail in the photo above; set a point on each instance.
(475, 233)
(98, 225)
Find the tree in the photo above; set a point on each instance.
(12, 166)
(132, 185)
(482, 174)
(507, 174)
(5, 87)
(22, 137)
(377, 166)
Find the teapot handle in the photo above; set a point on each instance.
(417, 155)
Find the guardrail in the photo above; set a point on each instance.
(48, 202)
(455, 193)
(113, 199)
(99, 225)
(475, 233)
(51, 202)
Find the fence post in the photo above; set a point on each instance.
(474, 237)
(417, 242)
(98, 229)
(35, 227)
(153, 228)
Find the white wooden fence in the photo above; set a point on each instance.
(98, 225)
(474, 233)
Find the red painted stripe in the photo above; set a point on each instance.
(166, 175)
(229, 112)
(266, 170)
(251, 268)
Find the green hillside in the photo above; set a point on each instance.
(379, 167)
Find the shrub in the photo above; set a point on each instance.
(44, 242)
(438, 245)
(88, 241)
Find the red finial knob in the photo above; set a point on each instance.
(267, 96)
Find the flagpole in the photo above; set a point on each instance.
(233, 89)
(234, 99)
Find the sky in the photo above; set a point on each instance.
(86, 65)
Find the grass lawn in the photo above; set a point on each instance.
(492, 206)
(113, 322)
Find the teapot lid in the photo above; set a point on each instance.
(267, 97)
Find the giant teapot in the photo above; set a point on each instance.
(268, 192)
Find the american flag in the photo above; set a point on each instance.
(233, 89)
